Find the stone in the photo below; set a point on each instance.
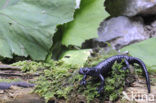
(130, 7)
(121, 31)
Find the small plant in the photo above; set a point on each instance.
(29, 66)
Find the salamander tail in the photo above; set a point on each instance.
(144, 69)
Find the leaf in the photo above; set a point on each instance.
(145, 50)
(7, 3)
(76, 57)
(85, 24)
(27, 26)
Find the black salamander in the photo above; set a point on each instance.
(102, 69)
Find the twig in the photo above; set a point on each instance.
(9, 67)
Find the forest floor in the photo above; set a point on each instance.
(17, 94)
(137, 93)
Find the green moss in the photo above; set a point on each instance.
(62, 80)
(151, 70)
(57, 81)
(9, 80)
(54, 77)
(29, 66)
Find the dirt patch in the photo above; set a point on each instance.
(138, 92)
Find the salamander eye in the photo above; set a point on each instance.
(85, 70)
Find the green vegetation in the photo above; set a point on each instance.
(76, 57)
(29, 66)
(10, 80)
(56, 81)
(85, 24)
(40, 26)
(61, 80)
(42, 30)
(144, 50)
(27, 24)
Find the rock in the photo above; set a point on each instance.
(151, 29)
(130, 7)
(29, 98)
(121, 31)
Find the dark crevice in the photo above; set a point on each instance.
(92, 43)
(148, 19)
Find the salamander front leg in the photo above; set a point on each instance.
(83, 81)
(102, 84)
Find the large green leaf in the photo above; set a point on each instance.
(85, 24)
(145, 50)
(76, 57)
(7, 3)
(27, 26)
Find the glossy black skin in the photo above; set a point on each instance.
(101, 70)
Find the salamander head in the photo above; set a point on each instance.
(84, 71)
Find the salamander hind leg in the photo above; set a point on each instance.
(126, 65)
(100, 89)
